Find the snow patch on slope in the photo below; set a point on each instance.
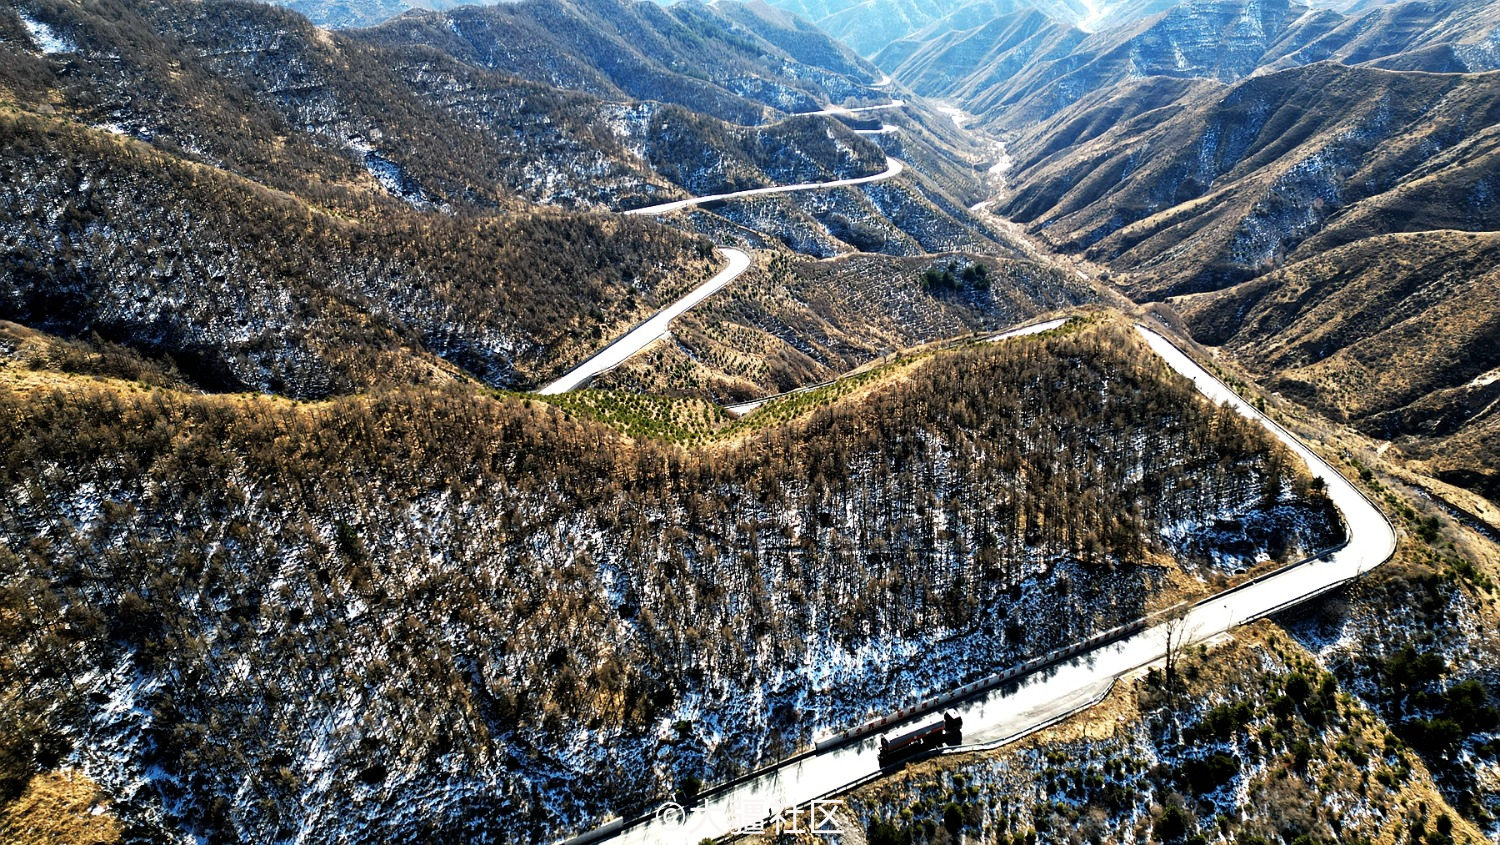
(390, 176)
(46, 39)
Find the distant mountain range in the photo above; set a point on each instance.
(1315, 190)
(1025, 66)
(873, 26)
(869, 26)
(864, 25)
(893, 30)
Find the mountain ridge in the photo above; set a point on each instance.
(1023, 67)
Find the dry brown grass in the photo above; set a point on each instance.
(59, 808)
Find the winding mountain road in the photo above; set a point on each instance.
(1032, 701)
(893, 169)
(644, 334)
(838, 111)
(1034, 328)
(1016, 709)
(656, 327)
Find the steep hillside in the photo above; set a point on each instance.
(391, 185)
(246, 288)
(1332, 225)
(1442, 36)
(870, 26)
(925, 209)
(1252, 741)
(1262, 207)
(1468, 459)
(1209, 192)
(1417, 644)
(1100, 112)
(791, 323)
(414, 115)
(900, 217)
(1394, 333)
(1368, 716)
(706, 157)
(1034, 65)
(262, 93)
(801, 39)
(686, 54)
(1018, 68)
(253, 619)
(965, 63)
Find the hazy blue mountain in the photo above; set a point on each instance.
(1025, 66)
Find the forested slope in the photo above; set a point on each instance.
(687, 53)
(247, 288)
(346, 121)
(1394, 334)
(1333, 225)
(1018, 66)
(258, 619)
(1252, 740)
(1213, 189)
(323, 212)
(787, 323)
